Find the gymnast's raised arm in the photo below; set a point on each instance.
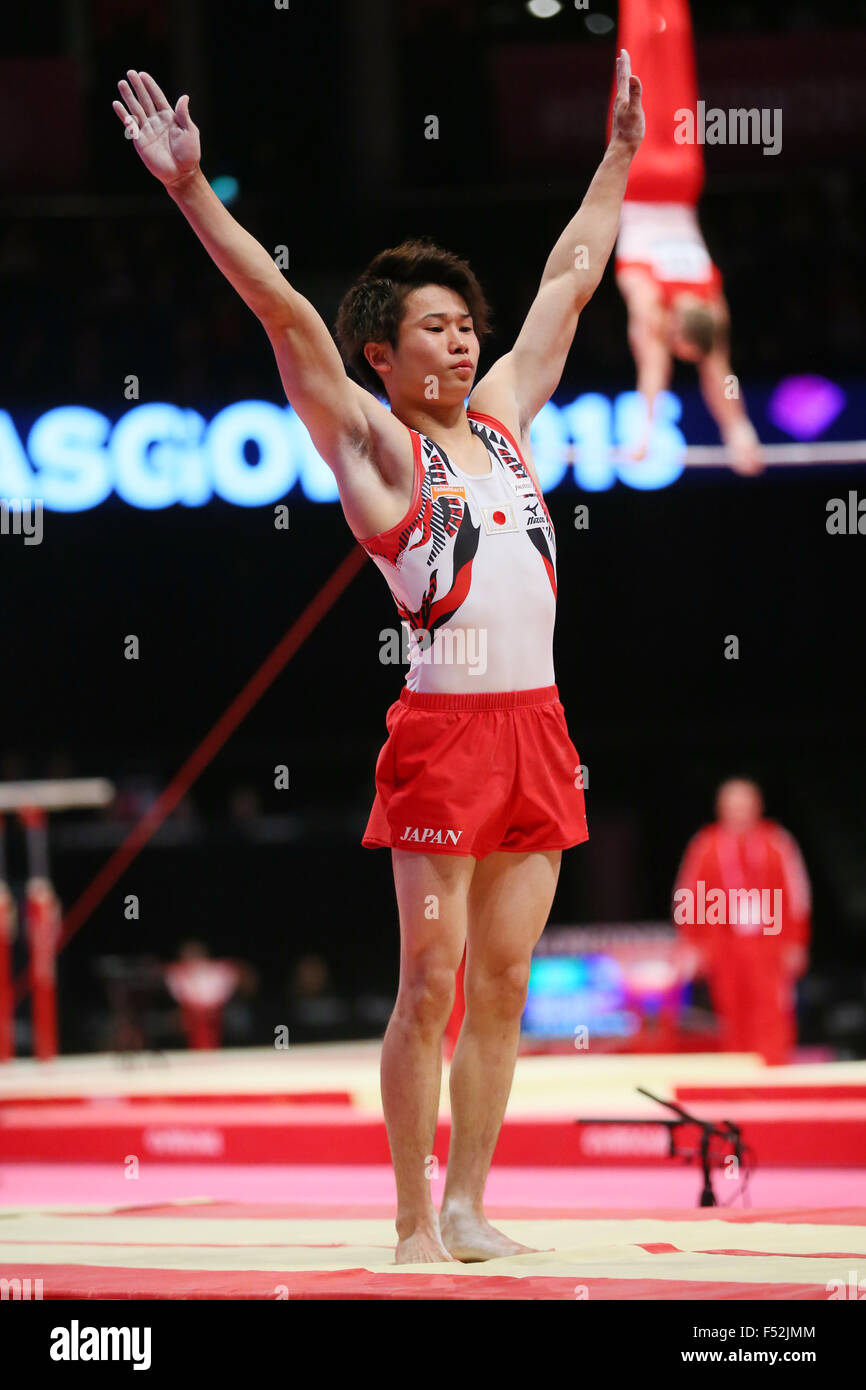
(525, 378)
(368, 450)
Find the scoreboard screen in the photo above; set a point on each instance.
(609, 981)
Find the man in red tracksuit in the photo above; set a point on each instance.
(743, 903)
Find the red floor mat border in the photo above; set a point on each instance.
(94, 1282)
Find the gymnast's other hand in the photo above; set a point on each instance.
(744, 448)
(167, 140)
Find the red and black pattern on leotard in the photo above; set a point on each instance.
(434, 612)
(542, 536)
(435, 521)
(511, 461)
(392, 545)
(442, 518)
(539, 540)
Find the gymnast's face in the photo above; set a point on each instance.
(739, 805)
(436, 334)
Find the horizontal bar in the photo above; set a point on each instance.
(774, 455)
(782, 455)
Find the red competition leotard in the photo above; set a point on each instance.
(659, 231)
(658, 37)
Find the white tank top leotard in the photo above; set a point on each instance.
(666, 237)
(472, 570)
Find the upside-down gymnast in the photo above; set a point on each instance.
(478, 786)
(672, 289)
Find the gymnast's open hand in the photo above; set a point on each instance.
(628, 123)
(167, 140)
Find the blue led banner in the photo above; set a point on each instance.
(254, 453)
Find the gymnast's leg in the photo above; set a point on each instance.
(509, 902)
(432, 894)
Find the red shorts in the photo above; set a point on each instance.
(471, 774)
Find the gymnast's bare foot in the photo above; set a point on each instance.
(470, 1236)
(422, 1247)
